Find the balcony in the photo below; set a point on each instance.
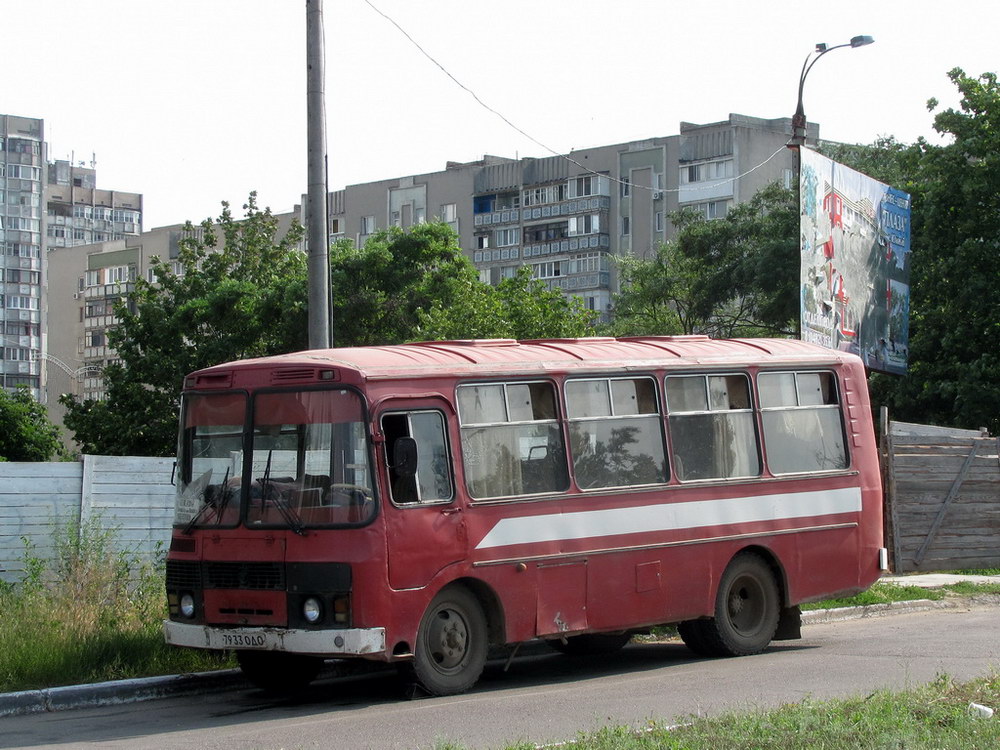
(568, 245)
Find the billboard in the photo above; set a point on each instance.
(854, 240)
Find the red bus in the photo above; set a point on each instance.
(420, 503)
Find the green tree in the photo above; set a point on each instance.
(519, 307)
(379, 290)
(26, 434)
(240, 292)
(657, 294)
(954, 363)
(736, 276)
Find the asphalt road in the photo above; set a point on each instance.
(543, 698)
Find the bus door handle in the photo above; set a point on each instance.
(450, 511)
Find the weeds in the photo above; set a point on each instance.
(935, 715)
(92, 612)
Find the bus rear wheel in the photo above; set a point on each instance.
(451, 643)
(747, 607)
(277, 671)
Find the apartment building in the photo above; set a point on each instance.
(44, 205)
(566, 217)
(84, 284)
(22, 167)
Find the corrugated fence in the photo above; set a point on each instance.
(131, 494)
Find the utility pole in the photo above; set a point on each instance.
(317, 236)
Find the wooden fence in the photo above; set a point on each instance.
(131, 495)
(942, 498)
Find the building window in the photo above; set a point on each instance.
(449, 212)
(659, 221)
(589, 224)
(367, 225)
(711, 209)
(625, 185)
(507, 237)
(712, 170)
(626, 225)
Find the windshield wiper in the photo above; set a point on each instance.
(209, 504)
(290, 516)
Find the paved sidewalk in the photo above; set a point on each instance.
(150, 688)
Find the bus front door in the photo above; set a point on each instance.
(425, 524)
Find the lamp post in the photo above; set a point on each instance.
(799, 118)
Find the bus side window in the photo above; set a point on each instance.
(616, 433)
(512, 443)
(432, 480)
(803, 427)
(711, 426)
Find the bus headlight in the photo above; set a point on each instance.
(187, 605)
(312, 610)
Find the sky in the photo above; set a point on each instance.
(195, 102)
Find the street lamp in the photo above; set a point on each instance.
(799, 118)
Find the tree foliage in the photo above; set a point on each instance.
(380, 289)
(240, 292)
(954, 367)
(519, 307)
(26, 433)
(735, 276)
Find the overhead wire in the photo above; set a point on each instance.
(712, 184)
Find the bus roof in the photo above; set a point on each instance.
(485, 358)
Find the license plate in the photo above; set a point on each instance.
(241, 640)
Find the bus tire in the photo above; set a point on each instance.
(692, 633)
(747, 606)
(591, 644)
(278, 671)
(451, 643)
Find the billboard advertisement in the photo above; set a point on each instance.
(855, 269)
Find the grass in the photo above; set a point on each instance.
(933, 716)
(90, 614)
(880, 593)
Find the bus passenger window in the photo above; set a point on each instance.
(432, 481)
(803, 429)
(615, 432)
(712, 433)
(511, 441)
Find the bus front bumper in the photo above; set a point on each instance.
(329, 643)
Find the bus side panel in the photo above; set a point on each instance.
(650, 587)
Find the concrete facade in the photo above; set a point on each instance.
(568, 216)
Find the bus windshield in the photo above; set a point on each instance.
(309, 461)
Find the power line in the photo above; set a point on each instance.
(484, 105)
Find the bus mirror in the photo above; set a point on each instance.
(404, 456)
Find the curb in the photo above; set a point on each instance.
(118, 692)
(815, 616)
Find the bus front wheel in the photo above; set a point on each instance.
(451, 643)
(747, 606)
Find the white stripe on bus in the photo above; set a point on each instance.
(557, 527)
